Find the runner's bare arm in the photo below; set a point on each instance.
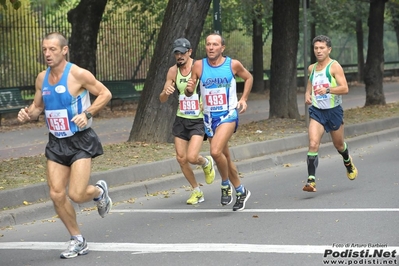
(169, 86)
(195, 75)
(243, 73)
(33, 111)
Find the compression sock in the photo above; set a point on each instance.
(313, 162)
(345, 153)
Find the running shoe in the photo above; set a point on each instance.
(196, 197)
(226, 195)
(241, 200)
(209, 170)
(351, 170)
(104, 205)
(75, 248)
(310, 185)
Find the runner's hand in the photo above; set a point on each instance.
(23, 114)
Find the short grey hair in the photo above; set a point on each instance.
(322, 38)
(59, 36)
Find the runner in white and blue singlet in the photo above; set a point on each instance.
(326, 85)
(216, 74)
(218, 88)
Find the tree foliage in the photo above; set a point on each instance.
(16, 4)
(15, 54)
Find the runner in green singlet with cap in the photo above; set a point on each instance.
(188, 128)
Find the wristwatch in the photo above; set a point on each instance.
(327, 90)
(88, 114)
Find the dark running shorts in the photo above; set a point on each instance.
(66, 151)
(184, 128)
(331, 119)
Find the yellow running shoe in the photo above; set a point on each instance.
(209, 170)
(310, 185)
(351, 170)
(196, 197)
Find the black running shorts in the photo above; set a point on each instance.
(184, 128)
(66, 151)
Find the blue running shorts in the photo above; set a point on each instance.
(211, 123)
(330, 119)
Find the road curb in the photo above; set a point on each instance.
(165, 174)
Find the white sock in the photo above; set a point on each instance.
(101, 193)
(78, 237)
(206, 162)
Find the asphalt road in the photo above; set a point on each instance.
(282, 225)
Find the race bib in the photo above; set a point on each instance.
(189, 105)
(324, 96)
(58, 123)
(216, 100)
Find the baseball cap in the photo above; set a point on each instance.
(181, 45)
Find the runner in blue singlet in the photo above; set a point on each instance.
(216, 74)
(62, 92)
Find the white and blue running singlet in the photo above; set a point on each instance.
(61, 106)
(219, 95)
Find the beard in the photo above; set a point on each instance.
(180, 63)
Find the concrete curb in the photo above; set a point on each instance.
(165, 174)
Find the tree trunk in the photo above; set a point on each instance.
(257, 56)
(374, 68)
(153, 121)
(85, 19)
(283, 84)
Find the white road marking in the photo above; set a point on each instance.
(201, 247)
(179, 247)
(254, 210)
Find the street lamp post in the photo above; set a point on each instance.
(217, 17)
(305, 56)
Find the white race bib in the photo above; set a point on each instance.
(215, 100)
(58, 123)
(189, 105)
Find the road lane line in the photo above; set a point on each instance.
(178, 247)
(254, 210)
